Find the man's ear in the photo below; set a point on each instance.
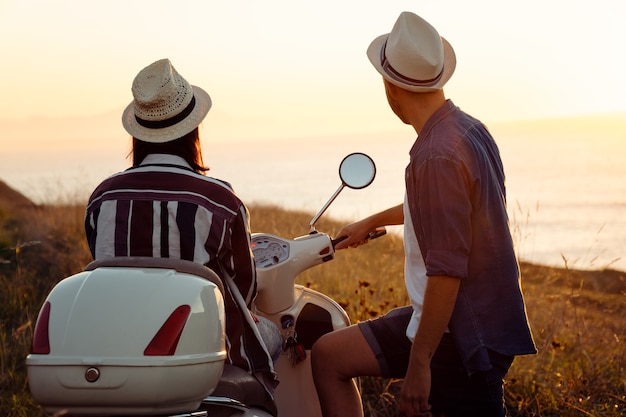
(391, 89)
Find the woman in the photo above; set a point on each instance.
(165, 206)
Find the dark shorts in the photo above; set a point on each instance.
(454, 390)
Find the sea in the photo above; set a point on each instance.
(566, 188)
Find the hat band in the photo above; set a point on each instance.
(393, 73)
(161, 124)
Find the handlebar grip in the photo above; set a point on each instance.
(374, 234)
(339, 239)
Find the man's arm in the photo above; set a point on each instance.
(439, 301)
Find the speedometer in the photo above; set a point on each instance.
(268, 252)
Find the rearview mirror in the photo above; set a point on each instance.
(357, 171)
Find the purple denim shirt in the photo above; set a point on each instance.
(457, 198)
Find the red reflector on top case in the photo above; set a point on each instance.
(166, 339)
(41, 341)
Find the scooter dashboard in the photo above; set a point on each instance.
(269, 251)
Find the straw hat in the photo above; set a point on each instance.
(166, 107)
(413, 56)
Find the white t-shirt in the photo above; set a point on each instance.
(414, 272)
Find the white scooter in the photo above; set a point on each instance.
(145, 336)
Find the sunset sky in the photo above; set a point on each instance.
(281, 68)
(293, 92)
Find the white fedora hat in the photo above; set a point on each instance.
(413, 56)
(165, 106)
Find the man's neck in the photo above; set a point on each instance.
(423, 106)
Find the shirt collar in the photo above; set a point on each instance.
(440, 114)
(167, 159)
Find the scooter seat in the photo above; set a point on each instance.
(239, 385)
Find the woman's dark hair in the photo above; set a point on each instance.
(187, 147)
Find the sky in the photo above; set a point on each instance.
(286, 75)
(283, 69)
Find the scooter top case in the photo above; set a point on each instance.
(129, 336)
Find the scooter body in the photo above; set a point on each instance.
(302, 314)
(145, 336)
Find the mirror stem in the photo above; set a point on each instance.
(328, 203)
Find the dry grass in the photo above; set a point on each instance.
(577, 317)
(577, 320)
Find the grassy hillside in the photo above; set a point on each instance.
(576, 316)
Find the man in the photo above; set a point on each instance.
(455, 343)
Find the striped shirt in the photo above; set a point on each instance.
(164, 209)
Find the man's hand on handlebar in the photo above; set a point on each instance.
(357, 234)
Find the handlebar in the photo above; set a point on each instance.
(374, 234)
